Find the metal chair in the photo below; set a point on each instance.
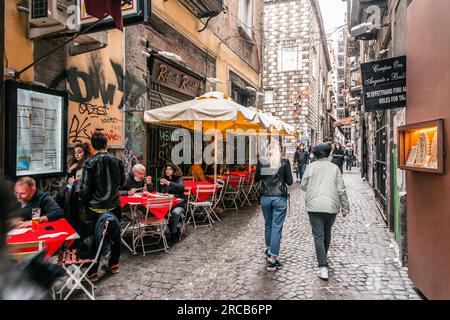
(72, 264)
(151, 226)
(184, 216)
(206, 206)
(232, 193)
(20, 251)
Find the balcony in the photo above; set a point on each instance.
(203, 8)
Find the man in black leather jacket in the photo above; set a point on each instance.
(275, 175)
(103, 176)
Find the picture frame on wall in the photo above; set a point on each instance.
(36, 131)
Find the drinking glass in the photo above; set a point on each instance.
(35, 218)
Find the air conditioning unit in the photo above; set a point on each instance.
(48, 17)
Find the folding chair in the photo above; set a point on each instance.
(247, 190)
(232, 193)
(130, 225)
(184, 217)
(72, 264)
(151, 226)
(206, 206)
(20, 251)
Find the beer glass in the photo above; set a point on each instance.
(35, 218)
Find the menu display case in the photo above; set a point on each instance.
(421, 146)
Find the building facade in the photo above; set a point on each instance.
(179, 51)
(296, 66)
(375, 132)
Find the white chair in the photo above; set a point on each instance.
(247, 189)
(233, 192)
(151, 226)
(73, 264)
(185, 215)
(205, 206)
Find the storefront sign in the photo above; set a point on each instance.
(175, 79)
(36, 130)
(384, 83)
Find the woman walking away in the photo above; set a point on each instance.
(275, 175)
(325, 197)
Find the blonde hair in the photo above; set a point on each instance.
(274, 154)
(26, 180)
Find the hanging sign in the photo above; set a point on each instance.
(384, 83)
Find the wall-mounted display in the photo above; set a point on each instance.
(421, 147)
(36, 131)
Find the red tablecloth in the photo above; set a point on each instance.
(194, 184)
(239, 173)
(160, 213)
(52, 244)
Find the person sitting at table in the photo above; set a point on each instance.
(136, 181)
(197, 172)
(173, 184)
(28, 197)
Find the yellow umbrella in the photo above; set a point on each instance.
(214, 110)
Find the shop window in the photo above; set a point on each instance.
(268, 96)
(421, 147)
(246, 17)
(289, 58)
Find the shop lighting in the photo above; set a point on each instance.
(213, 80)
(171, 56)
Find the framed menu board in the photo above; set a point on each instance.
(36, 131)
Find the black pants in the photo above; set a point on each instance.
(321, 223)
(92, 218)
(349, 163)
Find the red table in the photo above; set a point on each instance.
(160, 213)
(51, 244)
(193, 186)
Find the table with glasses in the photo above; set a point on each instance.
(51, 235)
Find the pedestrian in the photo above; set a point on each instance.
(73, 210)
(275, 175)
(103, 176)
(338, 156)
(348, 156)
(301, 158)
(325, 197)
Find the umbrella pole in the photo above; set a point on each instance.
(215, 152)
(250, 153)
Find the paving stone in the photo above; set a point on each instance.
(227, 261)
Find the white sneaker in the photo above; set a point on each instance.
(323, 273)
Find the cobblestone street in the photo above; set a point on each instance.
(227, 261)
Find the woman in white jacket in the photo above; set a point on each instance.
(325, 197)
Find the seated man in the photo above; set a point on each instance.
(197, 172)
(29, 197)
(135, 181)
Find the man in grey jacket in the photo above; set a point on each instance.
(325, 197)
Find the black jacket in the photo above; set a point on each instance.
(42, 200)
(301, 156)
(132, 183)
(271, 184)
(338, 157)
(176, 188)
(103, 175)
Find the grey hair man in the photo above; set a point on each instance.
(137, 181)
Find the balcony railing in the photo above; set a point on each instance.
(203, 8)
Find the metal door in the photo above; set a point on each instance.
(380, 162)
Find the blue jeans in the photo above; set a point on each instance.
(274, 210)
(301, 170)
